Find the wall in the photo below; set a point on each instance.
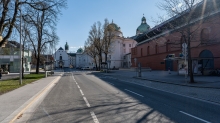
(152, 53)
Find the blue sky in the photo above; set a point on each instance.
(76, 20)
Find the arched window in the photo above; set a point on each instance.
(148, 50)
(204, 35)
(60, 57)
(156, 49)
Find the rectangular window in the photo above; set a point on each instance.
(129, 45)
(109, 56)
(124, 51)
(123, 45)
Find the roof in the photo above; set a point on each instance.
(144, 27)
(177, 20)
(115, 26)
(60, 48)
(72, 54)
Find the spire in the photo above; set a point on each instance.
(66, 47)
(112, 20)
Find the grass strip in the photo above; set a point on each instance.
(11, 84)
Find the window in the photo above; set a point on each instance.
(109, 56)
(124, 51)
(61, 58)
(129, 45)
(123, 45)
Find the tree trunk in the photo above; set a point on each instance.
(190, 70)
(106, 57)
(38, 63)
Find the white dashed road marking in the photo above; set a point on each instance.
(94, 117)
(87, 103)
(195, 117)
(81, 92)
(134, 93)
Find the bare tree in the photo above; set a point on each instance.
(91, 51)
(9, 12)
(108, 36)
(185, 14)
(95, 36)
(42, 27)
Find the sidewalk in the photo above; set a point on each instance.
(14, 102)
(173, 78)
(206, 87)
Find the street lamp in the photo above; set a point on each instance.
(20, 82)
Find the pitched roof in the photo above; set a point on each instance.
(60, 48)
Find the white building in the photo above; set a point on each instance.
(82, 59)
(64, 59)
(119, 48)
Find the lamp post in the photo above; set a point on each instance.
(20, 82)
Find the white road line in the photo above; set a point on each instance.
(78, 86)
(134, 93)
(195, 117)
(94, 117)
(87, 103)
(81, 92)
(200, 99)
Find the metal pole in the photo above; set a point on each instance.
(20, 82)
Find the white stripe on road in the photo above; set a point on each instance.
(87, 103)
(94, 117)
(195, 117)
(134, 93)
(81, 92)
(78, 86)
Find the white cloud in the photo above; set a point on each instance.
(76, 47)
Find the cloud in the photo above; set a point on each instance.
(76, 47)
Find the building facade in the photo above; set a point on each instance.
(10, 58)
(161, 48)
(120, 46)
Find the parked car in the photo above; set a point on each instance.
(86, 68)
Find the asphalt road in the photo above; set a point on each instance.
(81, 97)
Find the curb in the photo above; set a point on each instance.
(196, 86)
(176, 83)
(31, 103)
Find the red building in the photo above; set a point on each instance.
(156, 46)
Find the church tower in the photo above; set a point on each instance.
(144, 27)
(67, 47)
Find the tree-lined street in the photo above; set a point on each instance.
(83, 97)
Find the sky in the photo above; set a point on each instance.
(76, 20)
